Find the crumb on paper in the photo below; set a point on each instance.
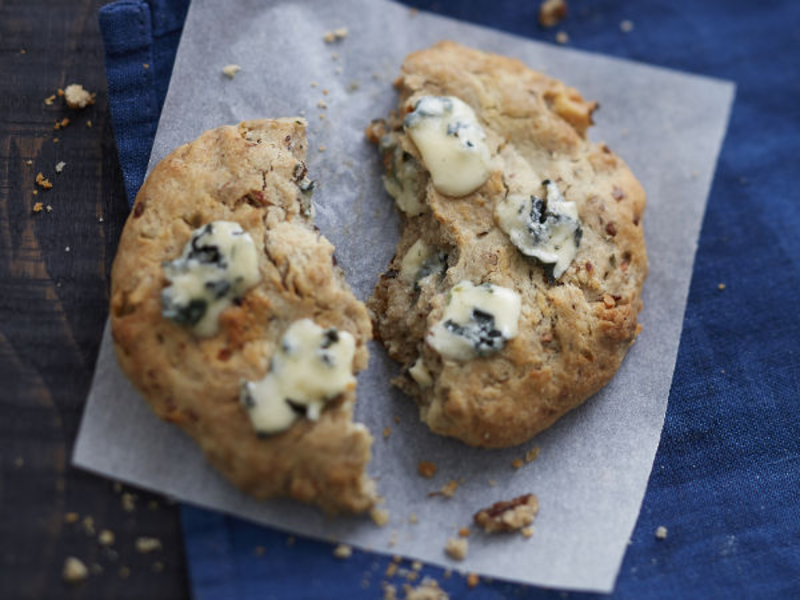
(416, 565)
(74, 570)
(43, 182)
(393, 539)
(552, 12)
(517, 463)
(463, 532)
(661, 532)
(322, 148)
(335, 35)
(106, 538)
(626, 26)
(426, 469)
(37, 208)
(448, 490)
(353, 86)
(532, 454)
(413, 519)
(145, 545)
(77, 97)
(508, 515)
(492, 482)
(473, 580)
(457, 548)
(321, 104)
(527, 532)
(379, 516)
(387, 431)
(396, 420)
(335, 56)
(721, 287)
(562, 37)
(60, 166)
(343, 551)
(230, 71)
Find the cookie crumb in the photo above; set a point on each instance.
(77, 97)
(88, 526)
(413, 519)
(389, 592)
(124, 572)
(562, 37)
(391, 569)
(128, 502)
(43, 182)
(106, 538)
(508, 515)
(89, 124)
(145, 545)
(71, 517)
(517, 463)
(457, 548)
(335, 35)
(96, 569)
(379, 516)
(60, 166)
(427, 590)
(38, 207)
(426, 469)
(322, 148)
(463, 532)
(387, 431)
(321, 104)
(532, 454)
(626, 26)
(343, 551)
(48, 208)
(527, 532)
(661, 532)
(74, 570)
(230, 71)
(473, 580)
(50, 99)
(448, 490)
(552, 12)
(721, 287)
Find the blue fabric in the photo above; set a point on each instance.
(726, 477)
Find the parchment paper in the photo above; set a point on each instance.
(594, 464)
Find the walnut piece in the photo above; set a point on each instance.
(508, 515)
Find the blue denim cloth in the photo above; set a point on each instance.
(726, 479)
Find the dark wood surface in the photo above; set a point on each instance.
(53, 304)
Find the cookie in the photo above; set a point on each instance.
(230, 316)
(514, 292)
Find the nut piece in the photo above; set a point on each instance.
(457, 548)
(552, 12)
(77, 97)
(74, 570)
(508, 515)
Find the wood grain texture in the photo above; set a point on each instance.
(53, 304)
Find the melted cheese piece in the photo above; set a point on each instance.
(311, 365)
(404, 184)
(452, 144)
(550, 232)
(477, 321)
(218, 264)
(420, 373)
(412, 262)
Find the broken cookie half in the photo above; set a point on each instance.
(230, 316)
(516, 285)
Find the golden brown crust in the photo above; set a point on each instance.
(573, 334)
(247, 174)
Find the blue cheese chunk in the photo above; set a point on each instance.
(218, 264)
(477, 321)
(422, 260)
(419, 372)
(452, 143)
(546, 229)
(311, 365)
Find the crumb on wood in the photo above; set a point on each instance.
(60, 166)
(96, 569)
(128, 502)
(71, 517)
(157, 567)
(379, 516)
(35, 192)
(106, 538)
(74, 570)
(473, 580)
(56, 140)
(89, 124)
(661, 532)
(50, 99)
(508, 515)
(88, 526)
(562, 37)
(145, 545)
(426, 469)
(626, 26)
(77, 97)
(37, 208)
(124, 572)
(152, 505)
(230, 71)
(61, 124)
(457, 548)
(343, 551)
(48, 208)
(43, 182)
(552, 12)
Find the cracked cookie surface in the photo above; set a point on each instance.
(252, 176)
(578, 312)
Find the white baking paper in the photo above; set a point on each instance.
(594, 464)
